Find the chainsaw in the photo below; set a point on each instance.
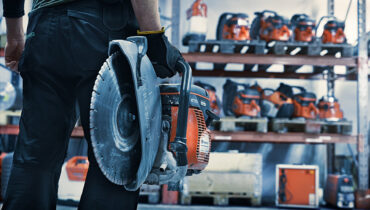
(240, 100)
(305, 104)
(333, 30)
(303, 28)
(277, 103)
(272, 27)
(329, 108)
(143, 132)
(233, 27)
(215, 102)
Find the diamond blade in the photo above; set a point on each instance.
(114, 127)
(125, 115)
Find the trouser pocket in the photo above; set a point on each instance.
(26, 61)
(89, 40)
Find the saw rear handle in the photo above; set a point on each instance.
(179, 144)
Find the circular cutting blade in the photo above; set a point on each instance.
(8, 95)
(114, 126)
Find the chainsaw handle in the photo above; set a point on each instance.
(266, 11)
(179, 143)
(328, 18)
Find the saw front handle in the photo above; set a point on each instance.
(179, 144)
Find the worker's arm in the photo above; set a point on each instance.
(147, 14)
(13, 13)
(161, 53)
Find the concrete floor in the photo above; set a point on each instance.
(160, 207)
(178, 207)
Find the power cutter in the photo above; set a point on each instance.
(142, 131)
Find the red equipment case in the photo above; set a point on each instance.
(297, 186)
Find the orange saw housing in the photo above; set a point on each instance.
(334, 33)
(197, 135)
(213, 99)
(198, 138)
(270, 28)
(303, 28)
(330, 110)
(236, 28)
(246, 105)
(304, 106)
(278, 98)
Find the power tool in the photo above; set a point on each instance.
(339, 191)
(196, 22)
(215, 102)
(233, 26)
(329, 108)
(72, 179)
(305, 104)
(277, 103)
(240, 100)
(333, 30)
(144, 132)
(272, 27)
(303, 28)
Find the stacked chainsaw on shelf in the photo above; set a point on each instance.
(286, 101)
(270, 26)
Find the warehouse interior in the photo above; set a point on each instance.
(290, 125)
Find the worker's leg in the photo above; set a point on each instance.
(40, 148)
(47, 118)
(99, 192)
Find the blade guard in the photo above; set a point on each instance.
(148, 102)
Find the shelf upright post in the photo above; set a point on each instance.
(362, 98)
(175, 23)
(330, 7)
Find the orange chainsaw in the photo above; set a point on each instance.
(305, 104)
(328, 105)
(333, 30)
(303, 28)
(272, 27)
(233, 27)
(213, 99)
(277, 103)
(240, 100)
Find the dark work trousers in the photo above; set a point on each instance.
(65, 47)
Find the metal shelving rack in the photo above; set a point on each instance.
(359, 63)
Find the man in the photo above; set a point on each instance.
(66, 44)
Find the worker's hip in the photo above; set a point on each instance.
(75, 32)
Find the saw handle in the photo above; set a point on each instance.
(179, 144)
(142, 48)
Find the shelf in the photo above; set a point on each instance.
(270, 59)
(241, 136)
(14, 130)
(271, 137)
(298, 60)
(248, 74)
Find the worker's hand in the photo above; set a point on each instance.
(13, 51)
(162, 54)
(15, 42)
